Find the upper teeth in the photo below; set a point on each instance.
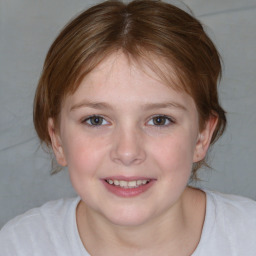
(127, 184)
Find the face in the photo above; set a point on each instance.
(129, 142)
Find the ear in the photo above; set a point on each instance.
(56, 143)
(204, 139)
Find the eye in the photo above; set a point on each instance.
(95, 121)
(160, 121)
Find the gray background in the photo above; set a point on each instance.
(28, 27)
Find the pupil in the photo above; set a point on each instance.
(96, 120)
(159, 120)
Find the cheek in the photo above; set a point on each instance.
(175, 154)
(83, 154)
(84, 159)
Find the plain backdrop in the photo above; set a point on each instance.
(27, 29)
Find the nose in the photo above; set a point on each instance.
(128, 147)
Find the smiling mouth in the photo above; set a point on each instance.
(127, 184)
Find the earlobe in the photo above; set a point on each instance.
(204, 139)
(56, 143)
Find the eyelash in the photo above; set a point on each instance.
(166, 118)
(89, 118)
(102, 120)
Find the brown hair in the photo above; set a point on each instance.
(140, 29)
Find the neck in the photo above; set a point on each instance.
(168, 232)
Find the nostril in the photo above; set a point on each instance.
(128, 158)
(127, 148)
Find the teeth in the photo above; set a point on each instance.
(132, 183)
(123, 183)
(116, 182)
(139, 182)
(127, 184)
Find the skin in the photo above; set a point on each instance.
(128, 142)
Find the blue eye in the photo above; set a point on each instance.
(160, 121)
(95, 121)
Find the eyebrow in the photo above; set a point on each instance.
(96, 105)
(151, 106)
(147, 106)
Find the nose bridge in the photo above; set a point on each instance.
(128, 146)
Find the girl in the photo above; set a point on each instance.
(128, 101)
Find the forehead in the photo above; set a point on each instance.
(119, 78)
(148, 66)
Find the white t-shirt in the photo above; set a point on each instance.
(229, 229)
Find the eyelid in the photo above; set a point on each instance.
(85, 119)
(170, 119)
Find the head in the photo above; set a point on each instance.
(145, 31)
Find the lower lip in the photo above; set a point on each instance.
(128, 192)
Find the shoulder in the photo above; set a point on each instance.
(229, 227)
(49, 211)
(233, 206)
(37, 227)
